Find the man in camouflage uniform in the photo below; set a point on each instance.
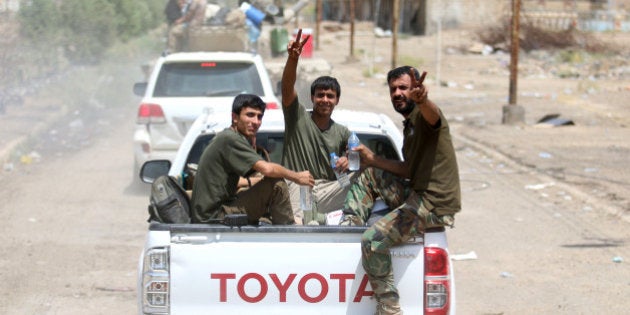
(423, 189)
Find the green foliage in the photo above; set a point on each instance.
(134, 18)
(156, 9)
(369, 72)
(406, 60)
(570, 56)
(40, 20)
(40, 29)
(87, 28)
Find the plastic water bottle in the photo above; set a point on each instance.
(342, 178)
(354, 159)
(306, 198)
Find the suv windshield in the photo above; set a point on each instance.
(208, 78)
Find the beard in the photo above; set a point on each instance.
(406, 109)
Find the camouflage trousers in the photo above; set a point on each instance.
(408, 219)
(371, 184)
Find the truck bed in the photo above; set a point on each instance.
(280, 269)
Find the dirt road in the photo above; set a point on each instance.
(544, 208)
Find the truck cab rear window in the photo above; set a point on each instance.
(274, 144)
(192, 79)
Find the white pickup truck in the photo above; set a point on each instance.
(221, 269)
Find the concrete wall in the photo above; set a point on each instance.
(464, 13)
(474, 14)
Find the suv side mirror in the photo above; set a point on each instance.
(153, 169)
(140, 88)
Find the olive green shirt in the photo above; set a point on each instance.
(306, 147)
(227, 157)
(433, 165)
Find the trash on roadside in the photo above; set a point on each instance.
(8, 167)
(26, 159)
(450, 84)
(468, 256)
(114, 289)
(545, 155)
(76, 124)
(617, 259)
(35, 156)
(481, 49)
(539, 186)
(379, 32)
(506, 274)
(553, 120)
(30, 158)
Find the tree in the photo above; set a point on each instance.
(89, 28)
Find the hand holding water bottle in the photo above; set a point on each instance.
(354, 159)
(342, 177)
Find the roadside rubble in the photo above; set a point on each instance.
(553, 120)
(467, 256)
(560, 64)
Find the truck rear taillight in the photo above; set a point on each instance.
(436, 281)
(150, 114)
(156, 281)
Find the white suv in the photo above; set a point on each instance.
(183, 85)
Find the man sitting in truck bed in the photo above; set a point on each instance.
(231, 155)
(193, 15)
(310, 137)
(423, 190)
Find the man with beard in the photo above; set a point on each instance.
(423, 190)
(310, 138)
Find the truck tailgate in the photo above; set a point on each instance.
(284, 271)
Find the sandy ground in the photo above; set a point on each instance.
(546, 209)
(590, 155)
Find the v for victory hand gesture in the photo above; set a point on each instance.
(419, 94)
(295, 46)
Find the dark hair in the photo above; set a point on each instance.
(325, 83)
(400, 71)
(247, 100)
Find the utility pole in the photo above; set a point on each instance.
(513, 113)
(351, 57)
(395, 15)
(318, 22)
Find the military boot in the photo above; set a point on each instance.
(388, 308)
(350, 220)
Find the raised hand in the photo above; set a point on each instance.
(295, 46)
(418, 92)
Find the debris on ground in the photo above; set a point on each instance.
(468, 256)
(553, 120)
